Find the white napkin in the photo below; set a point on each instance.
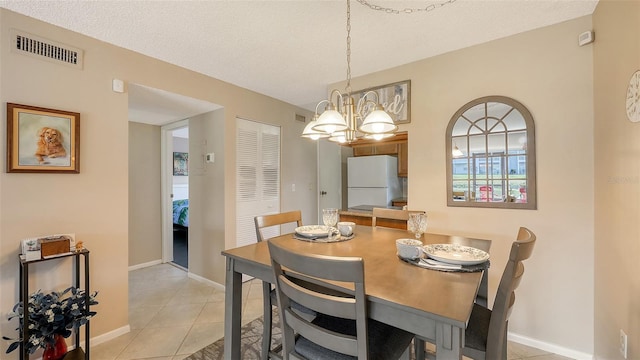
(435, 264)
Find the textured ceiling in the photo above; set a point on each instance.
(291, 50)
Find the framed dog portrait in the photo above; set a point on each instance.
(42, 140)
(180, 164)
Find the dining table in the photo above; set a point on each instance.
(427, 302)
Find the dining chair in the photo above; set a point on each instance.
(485, 337)
(268, 295)
(482, 298)
(393, 218)
(341, 330)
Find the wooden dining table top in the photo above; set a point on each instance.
(390, 281)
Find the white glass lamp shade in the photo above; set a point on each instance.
(330, 121)
(339, 137)
(379, 136)
(309, 133)
(378, 122)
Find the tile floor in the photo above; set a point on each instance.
(172, 316)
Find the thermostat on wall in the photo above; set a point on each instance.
(210, 157)
(585, 38)
(117, 85)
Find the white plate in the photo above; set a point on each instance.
(456, 254)
(313, 231)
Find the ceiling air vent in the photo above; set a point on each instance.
(301, 118)
(31, 45)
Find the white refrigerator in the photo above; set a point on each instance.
(372, 181)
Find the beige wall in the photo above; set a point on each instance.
(617, 180)
(207, 187)
(547, 72)
(92, 204)
(95, 202)
(145, 225)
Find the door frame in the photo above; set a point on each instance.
(166, 184)
(329, 176)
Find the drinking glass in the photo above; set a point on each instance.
(417, 224)
(330, 219)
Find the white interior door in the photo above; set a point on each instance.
(257, 176)
(329, 176)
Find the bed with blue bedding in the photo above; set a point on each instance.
(181, 213)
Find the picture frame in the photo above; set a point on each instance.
(42, 140)
(394, 97)
(180, 164)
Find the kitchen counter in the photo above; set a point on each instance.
(362, 215)
(400, 202)
(352, 212)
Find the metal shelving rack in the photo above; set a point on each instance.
(77, 353)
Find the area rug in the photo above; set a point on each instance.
(251, 343)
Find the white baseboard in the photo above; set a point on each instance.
(144, 265)
(553, 348)
(206, 281)
(110, 335)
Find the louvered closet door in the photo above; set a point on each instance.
(257, 176)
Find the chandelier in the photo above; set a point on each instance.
(344, 122)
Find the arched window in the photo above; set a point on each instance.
(490, 147)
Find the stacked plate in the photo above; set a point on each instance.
(312, 232)
(455, 254)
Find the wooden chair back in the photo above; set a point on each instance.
(265, 221)
(521, 249)
(485, 245)
(392, 218)
(320, 268)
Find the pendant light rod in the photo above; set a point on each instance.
(342, 121)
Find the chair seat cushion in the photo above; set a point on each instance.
(477, 332)
(385, 342)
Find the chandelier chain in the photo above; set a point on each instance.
(428, 8)
(348, 88)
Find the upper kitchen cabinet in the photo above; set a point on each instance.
(394, 146)
(403, 159)
(377, 149)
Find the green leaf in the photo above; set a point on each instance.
(13, 346)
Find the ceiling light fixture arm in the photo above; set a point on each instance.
(320, 103)
(339, 104)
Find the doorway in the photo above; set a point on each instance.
(160, 112)
(175, 193)
(329, 177)
(180, 196)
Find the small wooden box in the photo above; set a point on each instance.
(55, 245)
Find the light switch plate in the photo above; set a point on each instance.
(118, 85)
